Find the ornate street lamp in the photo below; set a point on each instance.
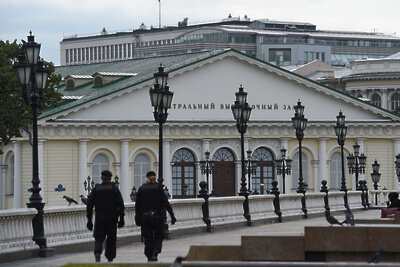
(356, 163)
(88, 185)
(207, 167)
(283, 166)
(340, 131)
(32, 76)
(300, 124)
(397, 166)
(241, 112)
(375, 176)
(251, 167)
(161, 99)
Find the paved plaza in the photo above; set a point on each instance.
(180, 246)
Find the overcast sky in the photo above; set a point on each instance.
(50, 20)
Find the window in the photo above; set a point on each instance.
(112, 51)
(100, 163)
(66, 56)
(98, 81)
(376, 99)
(10, 176)
(295, 169)
(141, 166)
(335, 171)
(124, 56)
(280, 57)
(265, 169)
(395, 101)
(70, 84)
(183, 174)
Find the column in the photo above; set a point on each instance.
(83, 171)
(322, 166)
(3, 172)
(284, 145)
(315, 165)
(396, 152)
(17, 175)
(384, 98)
(198, 174)
(125, 183)
(238, 174)
(41, 168)
(167, 170)
(246, 145)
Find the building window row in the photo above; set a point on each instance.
(98, 53)
(266, 39)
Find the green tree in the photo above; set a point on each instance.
(15, 115)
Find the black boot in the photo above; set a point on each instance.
(97, 257)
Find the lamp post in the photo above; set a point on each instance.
(241, 112)
(161, 99)
(356, 163)
(88, 185)
(251, 167)
(375, 176)
(207, 167)
(283, 166)
(32, 76)
(340, 131)
(300, 124)
(397, 166)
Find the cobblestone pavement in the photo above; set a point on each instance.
(180, 246)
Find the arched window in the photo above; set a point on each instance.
(98, 81)
(265, 169)
(359, 95)
(141, 166)
(183, 174)
(223, 175)
(395, 101)
(335, 171)
(100, 163)
(70, 84)
(10, 176)
(295, 169)
(376, 100)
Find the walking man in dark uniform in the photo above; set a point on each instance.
(151, 203)
(109, 205)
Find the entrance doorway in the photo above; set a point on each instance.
(223, 173)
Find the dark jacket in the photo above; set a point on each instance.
(151, 197)
(107, 201)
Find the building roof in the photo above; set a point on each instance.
(175, 64)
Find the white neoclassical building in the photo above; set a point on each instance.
(106, 122)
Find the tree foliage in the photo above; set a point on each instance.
(15, 114)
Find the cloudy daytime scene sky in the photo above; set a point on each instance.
(50, 21)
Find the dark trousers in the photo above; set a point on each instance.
(105, 227)
(153, 235)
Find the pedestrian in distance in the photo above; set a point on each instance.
(109, 205)
(393, 205)
(151, 203)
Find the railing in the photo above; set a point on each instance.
(67, 225)
(378, 198)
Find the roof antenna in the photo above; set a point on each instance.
(159, 14)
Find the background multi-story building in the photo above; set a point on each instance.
(277, 42)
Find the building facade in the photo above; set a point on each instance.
(277, 42)
(374, 80)
(109, 124)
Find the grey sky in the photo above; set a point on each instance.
(50, 20)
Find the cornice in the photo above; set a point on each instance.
(207, 131)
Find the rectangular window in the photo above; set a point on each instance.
(87, 53)
(129, 51)
(66, 56)
(75, 53)
(103, 53)
(124, 55)
(108, 52)
(120, 51)
(280, 57)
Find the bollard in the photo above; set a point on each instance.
(277, 206)
(205, 209)
(325, 190)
